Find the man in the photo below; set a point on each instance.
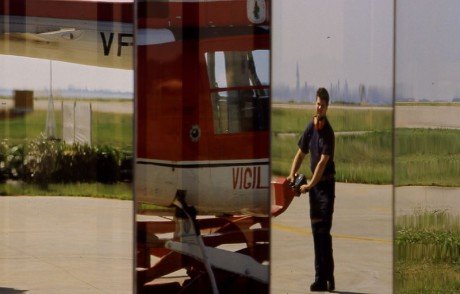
(318, 139)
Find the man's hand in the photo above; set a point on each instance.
(291, 178)
(304, 188)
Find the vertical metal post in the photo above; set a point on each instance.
(50, 128)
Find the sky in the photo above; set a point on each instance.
(34, 74)
(428, 49)
(333, 40)
(353, 40)
(330, 40)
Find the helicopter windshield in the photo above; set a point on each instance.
(239, 83)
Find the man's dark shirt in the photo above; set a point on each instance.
(319, 142)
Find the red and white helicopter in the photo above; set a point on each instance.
(202, 111)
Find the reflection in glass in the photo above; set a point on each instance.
(66, 120)
(202, 156)
(427, 147)
(345, 47)
(244, 106)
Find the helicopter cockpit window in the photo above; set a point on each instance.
(239, 82)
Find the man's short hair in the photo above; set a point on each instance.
(323, 95)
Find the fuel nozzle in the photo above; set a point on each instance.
(299, 180)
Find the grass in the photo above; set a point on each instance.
(122, 191)
(113, 129)
(29, 126)
(426, 277)
(427, 157)
(108, 128)
(362, 158)
(427, 251)
(295, 120)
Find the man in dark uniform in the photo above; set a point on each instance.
(318, 139)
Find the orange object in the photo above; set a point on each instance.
(282, 195)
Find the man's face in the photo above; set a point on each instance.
(321, 107)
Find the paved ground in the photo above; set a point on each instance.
(412, 199)
(65, 245)
(427, 117)
(84, 245)
(362, 234)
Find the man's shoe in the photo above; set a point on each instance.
(331, 285)
(318, 286)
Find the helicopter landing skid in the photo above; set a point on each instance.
(190, 261)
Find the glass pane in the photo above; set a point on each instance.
(224, 68)
(344, 47)
(66, 112)
(240, 111)
(202, 155)
(427, 147)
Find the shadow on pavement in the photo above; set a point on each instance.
(11, 290)
(344, 292)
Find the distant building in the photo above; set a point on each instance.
(362, 94)
(297, 83)
(23, 100)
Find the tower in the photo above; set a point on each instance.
(297, 84)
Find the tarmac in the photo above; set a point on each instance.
(362, 242)
(84, 245)
(445, 117)
(413, 199)
(65, 245)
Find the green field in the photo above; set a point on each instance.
(108, 128)
(427, 252)
(427, 244)
(122, 191)
(342, 119)
(427, 157)
(359, 158)
(423, 157)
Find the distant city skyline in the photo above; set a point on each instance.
(352, 41)
(328, 40)
(333, 41)
(340, 92)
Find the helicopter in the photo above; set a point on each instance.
(202, 122)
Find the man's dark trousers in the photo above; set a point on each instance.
(321, 209)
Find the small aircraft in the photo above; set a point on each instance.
(202, 108)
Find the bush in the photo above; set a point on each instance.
(42, 161)
(15, 162)
(76, 163)
(126, 168)
(108, 164)
(4, 171)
